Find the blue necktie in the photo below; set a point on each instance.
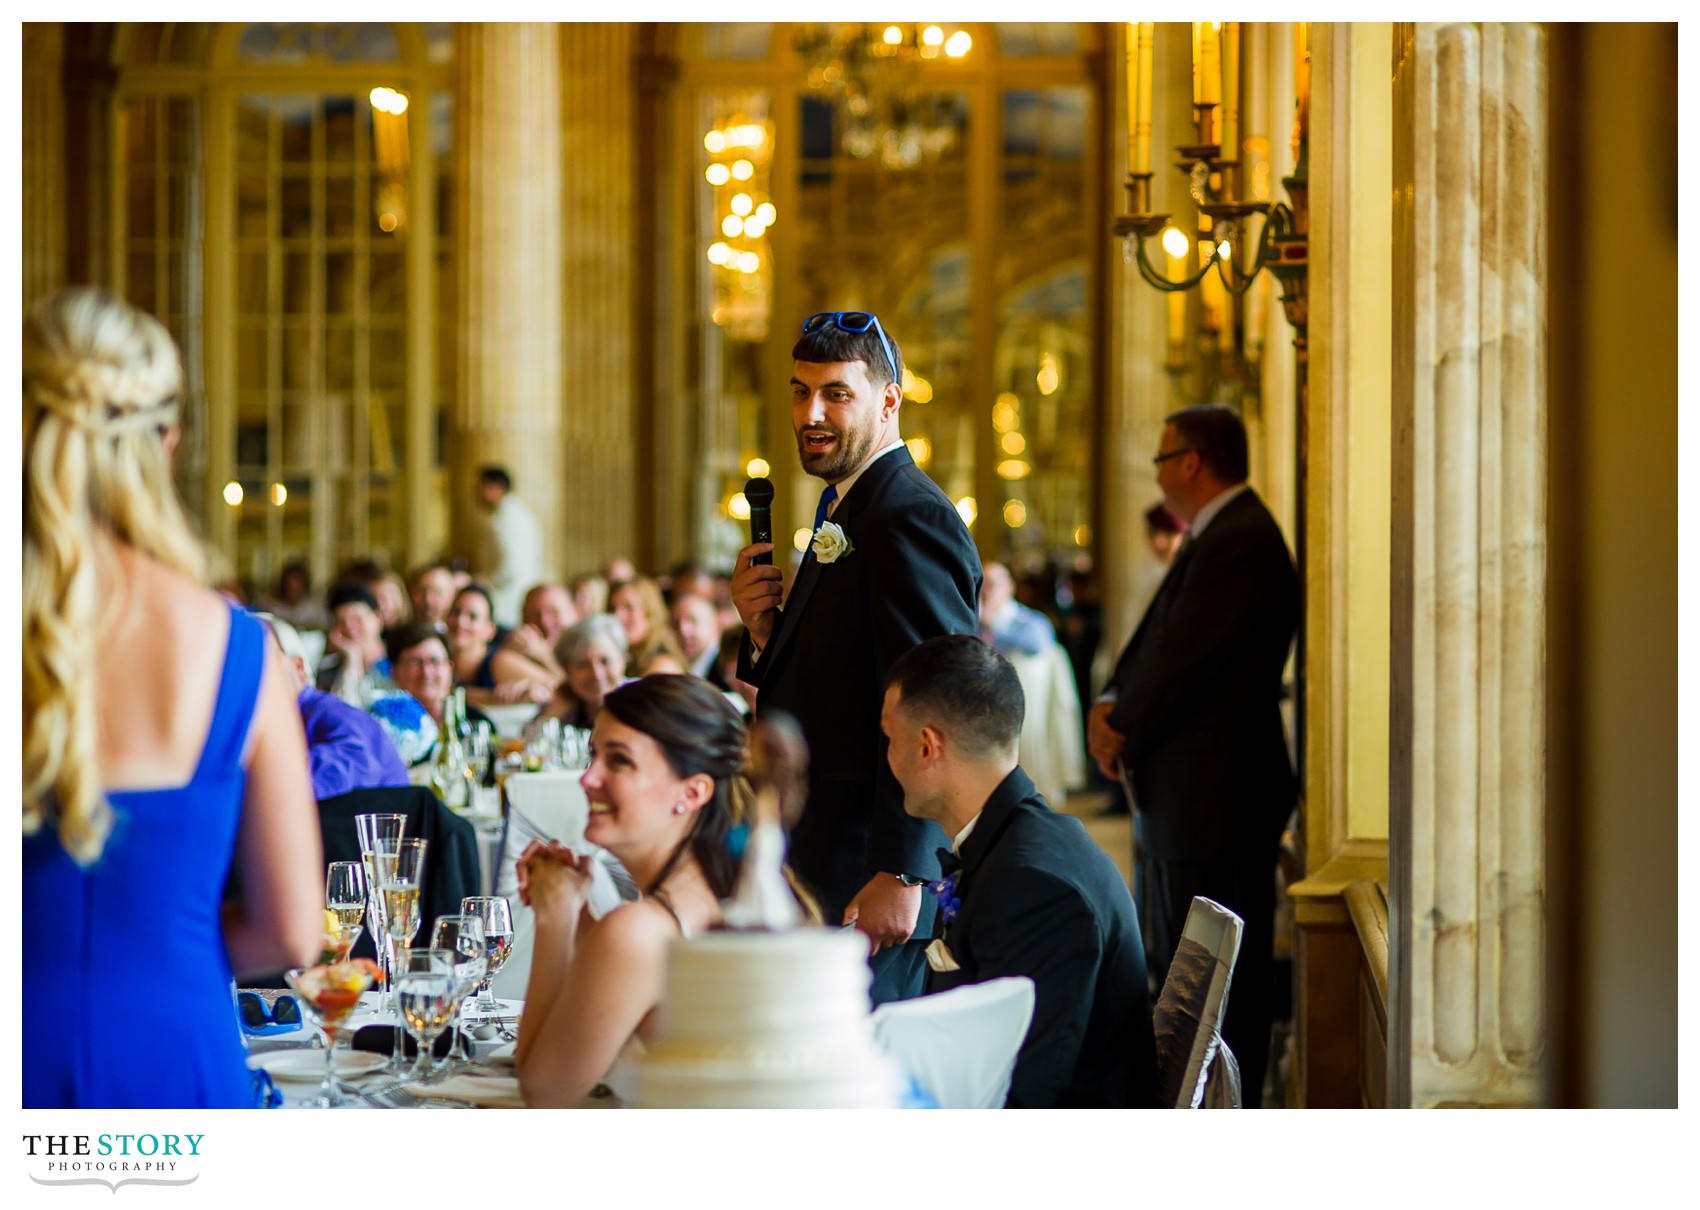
(826, 499)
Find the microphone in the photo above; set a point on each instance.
(759, 492)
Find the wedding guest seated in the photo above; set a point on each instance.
(590, 594)
(697, 623)
(386, 588)
(1026, 890)
(294, 601)
(424, 669)
(431, 591)
(593, 654)
(355, 666)
(347, 749)
(546, 611)
(662, 661)
(666, 783)
(490, 673)
(649, 627)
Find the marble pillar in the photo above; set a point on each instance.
(608, 457)
(1467, 780)
(507, 406)
(43, 184)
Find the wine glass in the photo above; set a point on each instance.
(378, 834)
(399, 877)
(463, 936)
(345, 899)
(480, 747)
(330, 994)
(498, 920)
(425, 989)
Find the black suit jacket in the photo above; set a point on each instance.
(1040, 898)
(913, 573)
(1198, 692)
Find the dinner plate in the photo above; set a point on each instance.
(309, 1063)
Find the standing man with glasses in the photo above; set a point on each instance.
(1192, 716)
(891, 564)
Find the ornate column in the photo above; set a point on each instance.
(1467, 786)
(603, 452)
(507, 408)
(43, 183)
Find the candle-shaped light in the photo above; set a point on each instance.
(1301, 84)
(1231, 90)
(1197, 60)
(1207, 37)
(1142, 116)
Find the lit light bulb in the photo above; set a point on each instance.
(750, 134)
(386, 221)
(932, 36)
(1225, 250)
(958, 44)
(757, 468)
(388, 100)
(1006, 413)
(1014, 514)
(920, 449)
(718, 174)
(719, 253)
(714, 141)
(1013, 443)
(732, 226)
(923, 392)
(1049, 376)
(742, 204)
(800, 539)
(280, 494)
(967, 510)
(1083, 535)
(748, 262)
(893, 36)
(742, 170)
(766, 213)
(739, 507)
(754, 228)
(1013, 468)
(1174, 242)
(233, 493)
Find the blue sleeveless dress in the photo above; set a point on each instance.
(125, 977)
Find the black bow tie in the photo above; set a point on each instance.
(949, 863)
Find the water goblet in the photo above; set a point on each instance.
(498, 920)
(463, 936)
(330, 993)
(425, 989)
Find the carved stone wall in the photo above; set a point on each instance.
(1467, 785)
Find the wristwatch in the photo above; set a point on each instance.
(910, 880)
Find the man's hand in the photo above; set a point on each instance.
(756, 589)
(885, 910)
(1103, 741)
(528, 641)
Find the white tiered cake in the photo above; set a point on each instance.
(767, 1020)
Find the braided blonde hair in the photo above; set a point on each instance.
(100, 386)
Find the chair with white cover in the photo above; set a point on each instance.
(1195, 1068)
(960, 1045)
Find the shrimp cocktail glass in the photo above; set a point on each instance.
(329, 993)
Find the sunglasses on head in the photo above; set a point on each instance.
(262, 1020)
(854, 322)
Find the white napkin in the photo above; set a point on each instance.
(488, 1092)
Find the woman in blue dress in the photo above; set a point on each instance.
(161, 744)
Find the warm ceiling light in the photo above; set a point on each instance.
(386, 221)
(714, 141)
(754, 228)
(748, 262)
(718, 174)
(1006, 413)
(1014, 514)
(738, 507)
(967, 510)
(742, 204)
(893, 36)
(719, 253)
(922, 392)
(958, 44)
(743, 170)
(233, 493)
(750, 134)
(1013, 443)
(920, 449)
(1174, 241)
(1049, 376)
(1225, 250)
(280, 493)
(1013, 468)
(732, 226)
(757, 468)
(766, 213)
(932, 36)
(388, 100)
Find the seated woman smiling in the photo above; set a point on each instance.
(666, 784)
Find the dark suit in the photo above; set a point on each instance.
(1198, 692)
(1039, 898)
(913, 573)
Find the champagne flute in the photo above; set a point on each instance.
(400, 875)
(378, 833)
(463, 936)
(425, 989)
(498, 920)
(345, 898)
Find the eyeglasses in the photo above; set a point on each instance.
(854, 322)
(1162, 458)
(261, 1020)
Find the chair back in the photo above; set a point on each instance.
(960, 1045)
(1189, 1012)
(451, 855)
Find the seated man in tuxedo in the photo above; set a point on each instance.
(1032, 894)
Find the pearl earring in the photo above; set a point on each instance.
(678, 808)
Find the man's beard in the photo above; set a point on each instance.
(850, 449)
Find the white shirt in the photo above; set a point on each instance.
(956, 844)
(1207, 514)
(514, 557)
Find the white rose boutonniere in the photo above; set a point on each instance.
(831, 544)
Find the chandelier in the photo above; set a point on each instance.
(871, 71)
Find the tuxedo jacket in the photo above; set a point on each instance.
(1198, 692)
(912, 573)
(1039, 898)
